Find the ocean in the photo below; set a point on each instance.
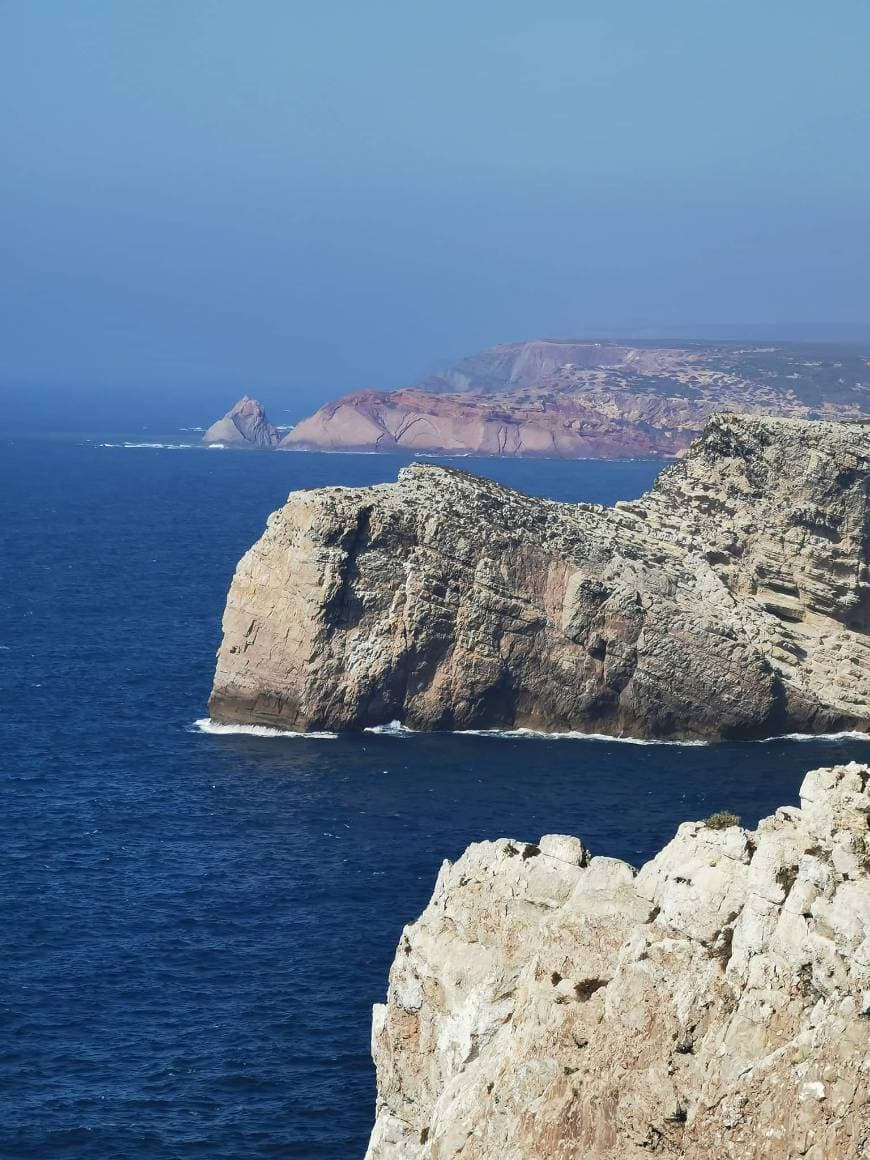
(195, 924)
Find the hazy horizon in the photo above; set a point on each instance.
(205, 200)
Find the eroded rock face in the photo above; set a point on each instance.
(549, 1004)
(733, 600)
(593, 426)
(245, 425)
(597, 400)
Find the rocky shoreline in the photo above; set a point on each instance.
(563, 399)
(551, 1004)
(731, 601)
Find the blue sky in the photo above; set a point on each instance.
(202, 197)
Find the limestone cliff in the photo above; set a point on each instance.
(733, 600)
(549, 1005)
(245, 425)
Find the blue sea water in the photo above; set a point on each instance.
(193, 927)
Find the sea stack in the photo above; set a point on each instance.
(730, 601)
(245, 425)
(550, 1005)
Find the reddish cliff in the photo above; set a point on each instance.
(414, 420)
(590, 400)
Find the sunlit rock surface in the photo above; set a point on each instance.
(732, 600)
(550, 1005)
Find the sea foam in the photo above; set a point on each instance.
(206, 725)
(570, 735)
(575, 735)
(394, 729)
(397, 729)
(154, 446)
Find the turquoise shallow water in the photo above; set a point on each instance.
(194, 926)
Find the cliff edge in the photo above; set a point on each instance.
(549, 1004)
(732, 600)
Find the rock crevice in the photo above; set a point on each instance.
(715, 1004)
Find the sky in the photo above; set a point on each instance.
(206, 197)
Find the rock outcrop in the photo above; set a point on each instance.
(733, 600)
(245, 425)
(590, 427)
(550, 1005)
(572, 400)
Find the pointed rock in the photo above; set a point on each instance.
(245, 425)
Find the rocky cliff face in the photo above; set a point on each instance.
(549, 1004)
(733, 600)
(570, 400)
(596, 426)
(245, 425)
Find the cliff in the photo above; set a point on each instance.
(550, 1005)
(564, 399)
(592, 427)
(733, 600)
(245, 425)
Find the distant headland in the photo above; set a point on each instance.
(555, 398)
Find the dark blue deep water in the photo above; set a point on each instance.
(193, 927)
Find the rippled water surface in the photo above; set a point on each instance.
(195, 925)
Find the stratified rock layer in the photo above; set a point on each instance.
(552, 1006)
(733, 600)
(597, 400)
(245, 425)
(590, 426)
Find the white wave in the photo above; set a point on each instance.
(843, 735)
(394, 729)
(455, 455)
(574, 735)
(206, 725)
(154, 446)
(216, 446)
(397, 729)
(569, 735)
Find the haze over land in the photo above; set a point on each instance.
(205, 200)
(558, 399)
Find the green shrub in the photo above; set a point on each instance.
(721, 820)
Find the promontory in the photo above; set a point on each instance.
(568, 399)
(730, 601)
